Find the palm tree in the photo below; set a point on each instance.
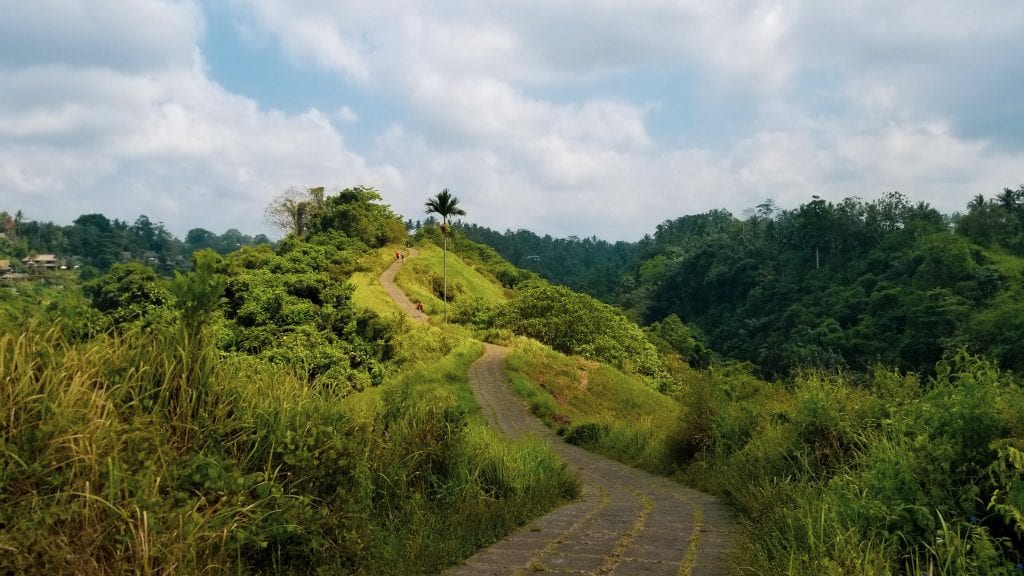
(977, 203)
(445, 205)
(18, 217)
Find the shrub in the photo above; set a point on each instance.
(574, 323)
(587, 435)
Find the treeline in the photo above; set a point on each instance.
(96, 241)
(589, 265)
(834, 285)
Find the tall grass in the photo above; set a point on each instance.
(886, 475)
(148, 453)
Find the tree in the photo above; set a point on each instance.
(445, 205)
(94, 238)
(127, 293)
(293, 209)
(7, 223)
(359, 214)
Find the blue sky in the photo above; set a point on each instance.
(568, 117)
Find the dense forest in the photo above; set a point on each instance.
(589, 265)
(845, 285)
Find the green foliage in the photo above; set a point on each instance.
(472, 292)
(838, 477)
(293, 309)
(828, 285)
(998, 330)
(358, 214)
(444, 205)
(96, 242)
(202, 239)
(996, 222)
(1006, 474)
(881, 475)
(54, 301)
(835, 286)
(589, 265)
(595, 405)
(112, 461)
(671, 335)
(128, 292)
(198, 293)
(484, 258)
(578, 324)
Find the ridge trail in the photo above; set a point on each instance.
(627, 522)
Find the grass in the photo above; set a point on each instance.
(145, 454)
(595, 405)
(1010, 265)
(421, 278)
(369, 295)
(881, 476)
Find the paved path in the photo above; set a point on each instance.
(626, 523)
(387, 280)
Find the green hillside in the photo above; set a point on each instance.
(272, 411)
(876, 473)
(842, 286)
(469, 287)
(259, 414)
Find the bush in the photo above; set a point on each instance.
(574, 323)
(835, 477)
(587, 435)
(107, 468)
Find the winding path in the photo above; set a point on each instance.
(627, 522)
(387, 280)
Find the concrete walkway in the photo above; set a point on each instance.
(387, 280)
(626, 523)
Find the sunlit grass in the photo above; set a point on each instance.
(369, 294)
(421, 279)
(606, 410)
(1010, 265)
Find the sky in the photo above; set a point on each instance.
(564, 117)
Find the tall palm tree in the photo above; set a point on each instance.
(977, 203)
(445, 205)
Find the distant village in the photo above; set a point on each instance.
(36, 250)
(38, 264)
(35, 265)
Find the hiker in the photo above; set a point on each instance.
(419, 307)
(398, 255)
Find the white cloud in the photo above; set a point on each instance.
(520, 109)
(346, 115)
(136, 35)
(168, 142)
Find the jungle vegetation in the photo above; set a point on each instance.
(846, 375)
